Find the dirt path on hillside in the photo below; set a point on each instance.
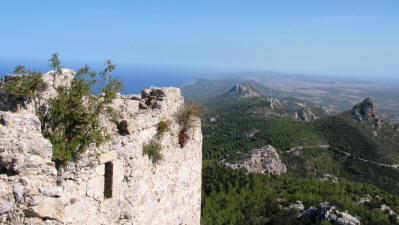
(302, 147)
(395, 166)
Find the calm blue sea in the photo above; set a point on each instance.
(134, 80)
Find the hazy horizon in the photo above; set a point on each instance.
(183, 74)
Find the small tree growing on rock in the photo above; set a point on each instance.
(55, 65)
(24, 87)
(72, 120)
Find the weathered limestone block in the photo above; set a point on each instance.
(51, 191)
(50, 208)
(18, 192)
(4, 207)
(95, 187)
(82, 211)
(22, 145)
(107, 157)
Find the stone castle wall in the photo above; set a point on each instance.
(113, 184)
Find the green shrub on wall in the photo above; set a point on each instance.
(24, 86)
(71, 120)
(162, 127)
(153, 150)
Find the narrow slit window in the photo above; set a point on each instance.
(108, 177)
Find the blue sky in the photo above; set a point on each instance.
(343, 38)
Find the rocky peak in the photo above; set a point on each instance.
(244, 91)
(304, 114)
(366, 110)
(274, 102)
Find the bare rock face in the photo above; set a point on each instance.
(22, 145)
(305, 114)
(263, 160)
(26, 170)
(366, 110)
(325, 211)
(329, 177)
(249, 133)
(274, 102)
(4, 207)
(244, 91)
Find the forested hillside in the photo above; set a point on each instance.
(335, 159)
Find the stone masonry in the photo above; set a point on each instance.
(113, 184)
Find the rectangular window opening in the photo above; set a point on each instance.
(108, 177)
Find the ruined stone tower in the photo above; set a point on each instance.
(113, 184)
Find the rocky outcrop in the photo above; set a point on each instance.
(365, 199)
(366, 110)
(28, 177)
(286, 109)
(329, 177)
(298, 205)
(250, 133)
(305, 114)
(325, 211)
(263, 160)
(112, 184)
(244, 91)
(22, 146)
(386, 209)
(274, 102)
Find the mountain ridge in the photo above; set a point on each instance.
(338, 93)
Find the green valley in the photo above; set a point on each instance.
(340, 159)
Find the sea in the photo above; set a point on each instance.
(133, 79)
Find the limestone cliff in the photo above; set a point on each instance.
(243, 91)
(262, 160)
(113, 184)
(366, 110)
